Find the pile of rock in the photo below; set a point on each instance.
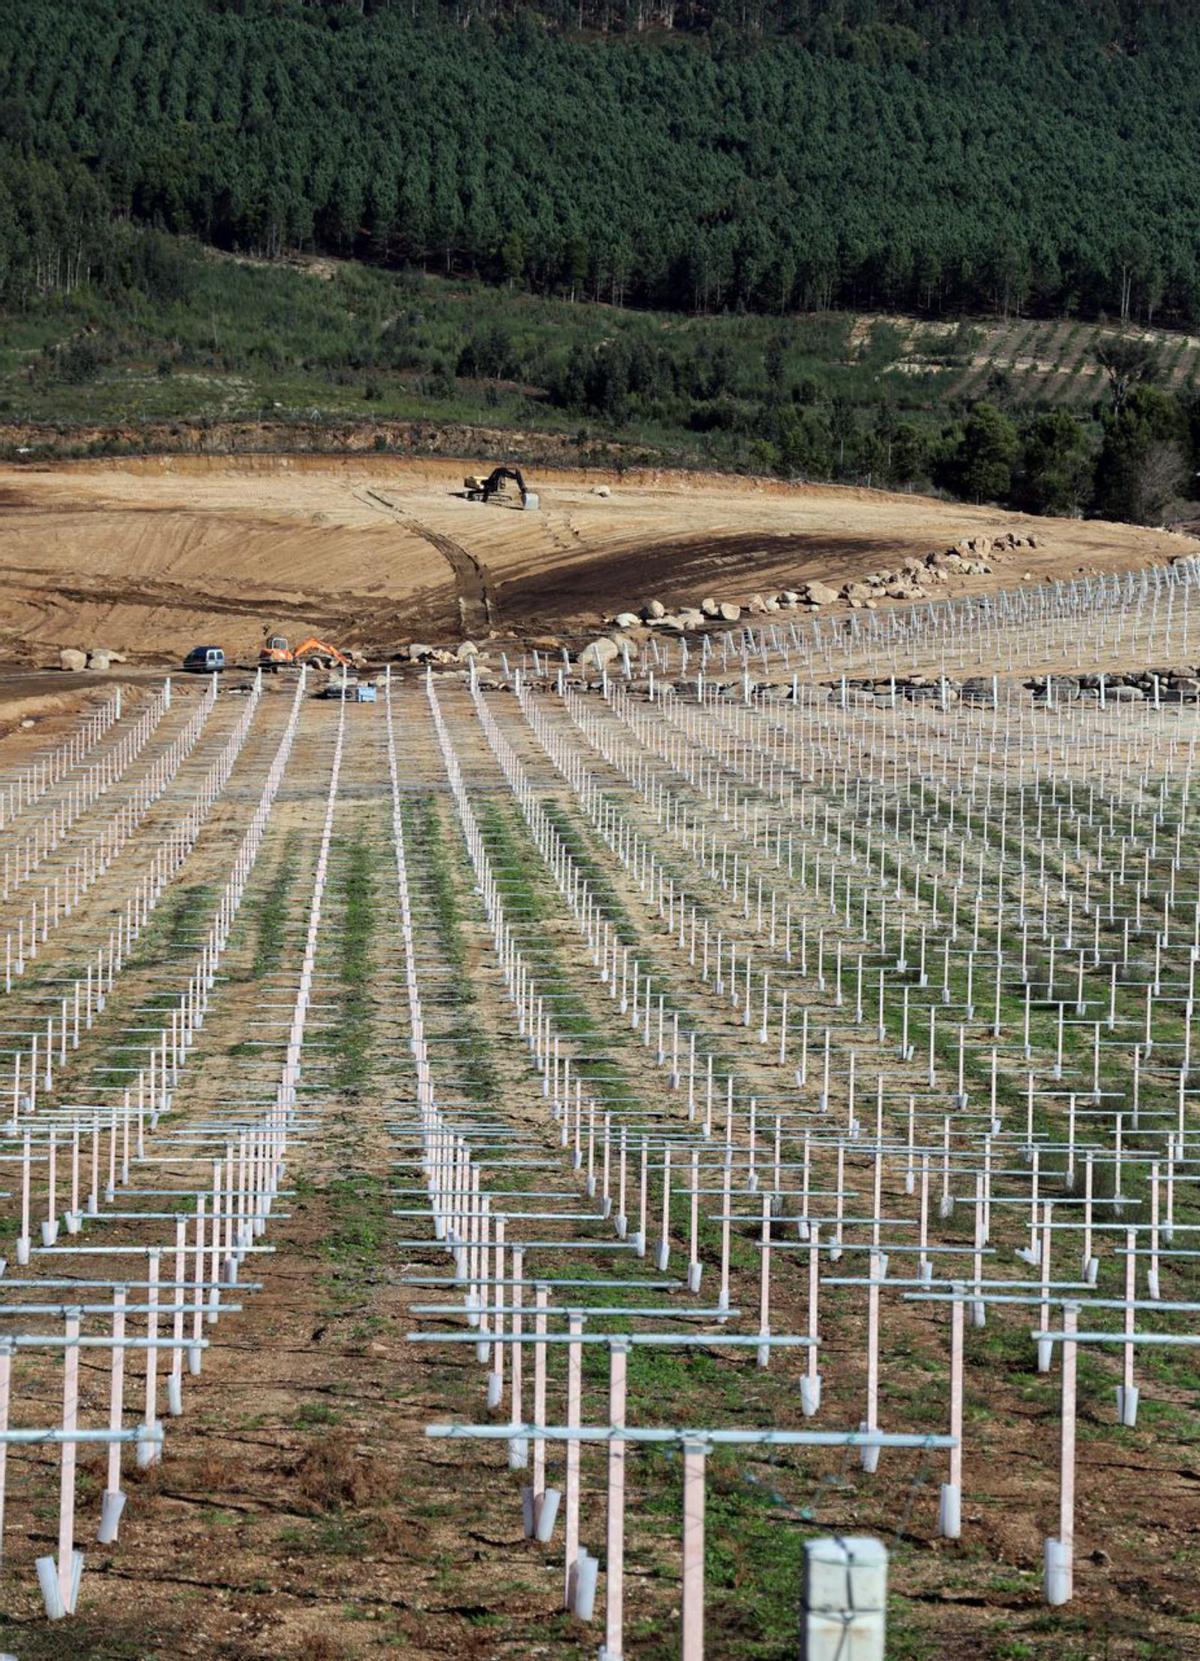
(912, 579)
(417, 651)
(100, 658)
(655, 615)
(601, 653)
(1122, 686)
(878, 689)
(975, 556)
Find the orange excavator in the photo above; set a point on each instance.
(277, 654)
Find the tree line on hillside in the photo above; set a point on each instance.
(1135, 458)
(869, 30)
(984, 155)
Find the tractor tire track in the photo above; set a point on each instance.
(476, 599)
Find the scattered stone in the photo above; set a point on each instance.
(597, 655)
(819, 594)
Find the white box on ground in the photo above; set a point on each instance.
(858, 1638)
(845, 1599)
(844, 1572)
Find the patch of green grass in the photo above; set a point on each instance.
(472, 1053)
(352, 1029)
(317, 1413)
(359, 1207)
(173, 926)
(271, 920)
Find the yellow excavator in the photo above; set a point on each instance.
(477, 488)
(275, 653)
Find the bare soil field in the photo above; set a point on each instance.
(152, 557)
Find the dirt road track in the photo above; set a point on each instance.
(475, 604)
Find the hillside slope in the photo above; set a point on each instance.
(152, 557)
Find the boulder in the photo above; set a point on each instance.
(819, 594)
(419, 652)
(671, 622)
(977, 689)
(467, 650)
(857, 591)
(1121, 694)
(710, 608)
(627, 619)
(597, 655)
(728, 612)
(653, 610)
(601, 490)
(72, 659)
(756, 603)
(789, 597)
(98, 659)
(691, 617)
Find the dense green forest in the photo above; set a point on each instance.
(642, 223)
(767, 155)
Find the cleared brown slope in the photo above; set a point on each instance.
(153, 556)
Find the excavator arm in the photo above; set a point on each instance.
(497, 477)
(314, 648)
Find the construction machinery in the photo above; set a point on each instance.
(275, 653)
(476, 488)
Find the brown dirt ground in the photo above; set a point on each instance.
(152, 556)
